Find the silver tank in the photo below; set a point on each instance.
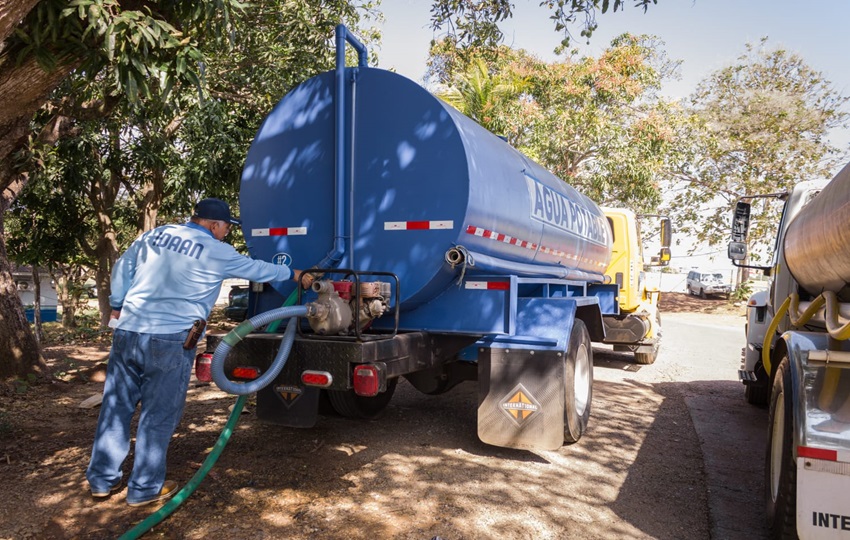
(817, 244)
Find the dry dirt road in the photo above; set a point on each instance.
(672, 452)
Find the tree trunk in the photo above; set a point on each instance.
(102, 275)
(63, 295)
(24, 88)
(19, 351)
(11, 14)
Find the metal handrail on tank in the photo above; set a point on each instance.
(342, 35)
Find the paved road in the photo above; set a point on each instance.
(698, 363)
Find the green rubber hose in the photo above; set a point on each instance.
(181, 496)
(196, 480)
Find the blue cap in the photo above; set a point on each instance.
(215, 209)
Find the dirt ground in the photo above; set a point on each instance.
(417, 473)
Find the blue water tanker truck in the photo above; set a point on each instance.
(440, 254)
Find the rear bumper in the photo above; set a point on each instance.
(398, 355)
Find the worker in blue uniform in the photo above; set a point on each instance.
(168, 279)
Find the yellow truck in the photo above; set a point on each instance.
(637, 326)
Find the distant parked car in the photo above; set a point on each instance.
(237, 303)
(703, 284)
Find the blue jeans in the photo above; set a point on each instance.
(153, 369)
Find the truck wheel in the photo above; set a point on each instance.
(350, 405)
(780, 468)
(578, 383)
(647, 358)
(702, 293)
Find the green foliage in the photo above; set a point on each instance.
(472, 23)
(597, 123)
(478, 95)
(742, 292)
(22, 385)
(475, 23)
(758, 126)
(141, 50)
(153, 151)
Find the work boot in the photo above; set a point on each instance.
(169, 488)
(101, 494)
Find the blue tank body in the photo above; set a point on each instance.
(421, 178)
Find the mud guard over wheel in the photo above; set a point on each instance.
(578, 383)
(536, 399)
(780, 467)
(348, 404)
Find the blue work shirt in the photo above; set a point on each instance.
(171, 276)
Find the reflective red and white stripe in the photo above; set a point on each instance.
(499, 237)
(493, 235)
(280, 231)
(820, 453)
(488, 285)
(417, 225)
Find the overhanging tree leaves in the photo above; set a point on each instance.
(139, 49)
(165, 145)
(475, 23)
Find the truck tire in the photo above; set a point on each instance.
(347, 403)
(646, 358)
(780, 468)
(759, 393)
(578, 383)
(702, 294)
(756, 394)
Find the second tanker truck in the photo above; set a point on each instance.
(797, 358)
(441, 253)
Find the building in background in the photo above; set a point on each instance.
(22, 275)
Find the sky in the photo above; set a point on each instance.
(706, 35)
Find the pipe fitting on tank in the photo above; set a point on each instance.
(459, 255)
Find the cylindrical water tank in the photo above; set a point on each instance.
(421, 178)
(817, 240)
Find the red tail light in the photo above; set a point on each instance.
(246, 372)
(367, 380)
(322, 379)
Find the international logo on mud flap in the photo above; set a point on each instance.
(288, 393)
(519, 404)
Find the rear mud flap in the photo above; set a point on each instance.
(521, 398)
(288, 405)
